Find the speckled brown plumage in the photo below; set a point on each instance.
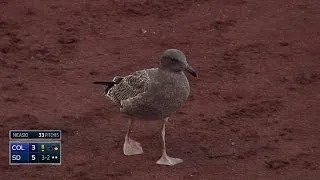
(129, 87)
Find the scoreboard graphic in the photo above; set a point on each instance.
(35, 147)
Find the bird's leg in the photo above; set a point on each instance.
(131, 147)
(165, 159)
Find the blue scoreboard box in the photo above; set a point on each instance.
(35, 147)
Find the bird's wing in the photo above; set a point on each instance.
(130, 87)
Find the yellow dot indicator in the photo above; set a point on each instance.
(56, 148)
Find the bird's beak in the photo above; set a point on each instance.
(190, 70)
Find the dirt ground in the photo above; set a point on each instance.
(252, 114)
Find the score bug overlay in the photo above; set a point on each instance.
(35, 147)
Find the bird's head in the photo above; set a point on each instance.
(174, 60)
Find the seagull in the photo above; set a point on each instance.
(152, 94)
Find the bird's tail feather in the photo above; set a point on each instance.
(106, 83)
